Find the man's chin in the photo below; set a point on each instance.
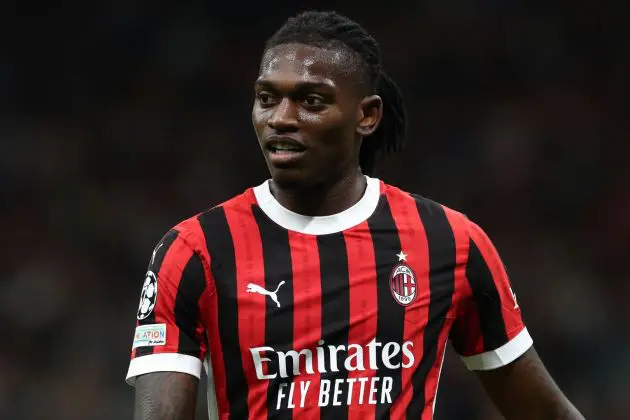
(290, 179)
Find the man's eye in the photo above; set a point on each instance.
(313, 100)
(265, 98)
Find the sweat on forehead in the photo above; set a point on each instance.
(333, 62)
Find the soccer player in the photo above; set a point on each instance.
(323, 292)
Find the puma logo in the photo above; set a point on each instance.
(254, 288)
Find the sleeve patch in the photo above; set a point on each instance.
(149, 335)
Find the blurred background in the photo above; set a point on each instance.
(120, 118)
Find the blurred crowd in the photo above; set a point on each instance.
(122, 118)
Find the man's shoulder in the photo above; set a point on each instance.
(427, 207)
(203, 225)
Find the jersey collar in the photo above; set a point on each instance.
(319, 225)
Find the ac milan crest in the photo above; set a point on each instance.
(403, 284)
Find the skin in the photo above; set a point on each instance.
(311, 94)
(524, 390)
(165, 395)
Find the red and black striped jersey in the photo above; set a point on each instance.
(344, 316)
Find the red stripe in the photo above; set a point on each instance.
(511, 316)
(307, 319)
(460, 233)
(414, 243)
(249, 269)
(363, 306)
(208, 310)
(467, 337)
(434, 374)
(190, 230)
(172, 267)
(216, 355)
(467, 324)
(249, 196)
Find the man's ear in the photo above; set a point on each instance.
(370, 115)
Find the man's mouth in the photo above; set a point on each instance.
(286, 148)
(284, 145)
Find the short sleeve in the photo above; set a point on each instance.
(488, 331)
(169, 335)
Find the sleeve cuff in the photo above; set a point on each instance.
(163, 362)
(502, 356)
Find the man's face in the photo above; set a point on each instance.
(306, 113)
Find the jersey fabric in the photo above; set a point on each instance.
(335, 317)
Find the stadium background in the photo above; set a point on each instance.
(121, 118)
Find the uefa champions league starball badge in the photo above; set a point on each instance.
(148, 296)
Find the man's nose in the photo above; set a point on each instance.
(284, 117)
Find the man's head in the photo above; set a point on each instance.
(323, 105)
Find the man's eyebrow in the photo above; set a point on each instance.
(261, 83)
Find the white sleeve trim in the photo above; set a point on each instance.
(163, 362)
(502, 356)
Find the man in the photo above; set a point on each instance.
(324, 293)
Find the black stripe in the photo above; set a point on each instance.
(487, 299)
(223, 266)
(278, 321)
(390, 322)
(442, 261)
(335, 289)
(155, 264)
(191, 286)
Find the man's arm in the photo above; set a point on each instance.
(169, 342)
(165, 396)
(490, 335)
(525, 390)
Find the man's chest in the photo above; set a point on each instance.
(341, 289)
(324, 314)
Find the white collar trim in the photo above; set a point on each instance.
(319, 225)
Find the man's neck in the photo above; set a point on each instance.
(323, 199)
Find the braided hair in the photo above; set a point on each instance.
(332, 30)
